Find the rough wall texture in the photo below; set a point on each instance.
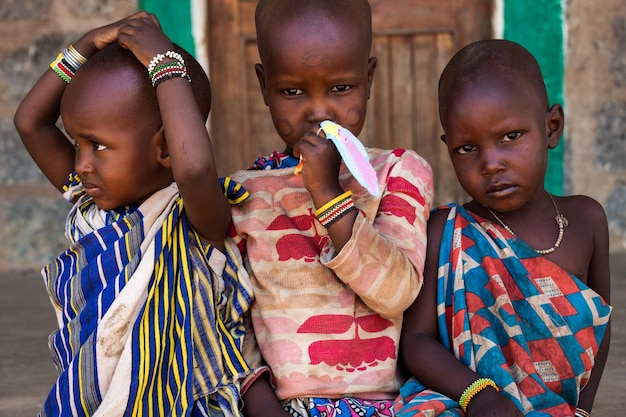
(595, 93)
(33, 32)
(32, 213)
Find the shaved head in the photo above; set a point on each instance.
(491, 59)
(113, 60)
(271, 15)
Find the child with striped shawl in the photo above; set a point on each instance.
(149, 297)
(516, 282)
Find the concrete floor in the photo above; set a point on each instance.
(27, 373)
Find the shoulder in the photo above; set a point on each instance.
(405, 164)
(398, 155)
(582, 208)
(436, 224)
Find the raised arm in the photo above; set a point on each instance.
(38, 113)
(188, 142)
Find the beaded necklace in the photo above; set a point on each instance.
(560, 219)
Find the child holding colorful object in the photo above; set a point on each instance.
(516, 280)
(149, 297)
(333, 265)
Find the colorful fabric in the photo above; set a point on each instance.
(513, 316)
(274, 161)
(342, 407)
(327, 322)
(150, 315)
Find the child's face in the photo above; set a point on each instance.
(117, 144)
(313, 74)
(498, 133)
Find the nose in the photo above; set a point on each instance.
(320, 109)
(82, 161)
(492, 162)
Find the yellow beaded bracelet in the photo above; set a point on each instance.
(333, 202)
(473, 389)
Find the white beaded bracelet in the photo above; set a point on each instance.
(159, 57)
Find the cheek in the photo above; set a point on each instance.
(354, 117)
(284, 127)
(466, 172)
(282, 117)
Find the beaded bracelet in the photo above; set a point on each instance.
(168, 71)
(67, 63)
(473, 389)
(335, 209)
(581, 413)
(168, 74)
(160, 57)
(62, 70)
(163, 66)
(71, 51)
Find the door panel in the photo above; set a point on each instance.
(413, 40)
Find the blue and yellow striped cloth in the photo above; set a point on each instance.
(151, 317)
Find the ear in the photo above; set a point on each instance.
(260, 75)
(371, 67)
(555, 123)
(163, 153)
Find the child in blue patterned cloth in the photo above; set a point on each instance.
(513, 316)
(149, 297)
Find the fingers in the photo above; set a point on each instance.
(142, 34)
(320, 162)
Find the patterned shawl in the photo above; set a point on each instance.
(150, 315)
(513, 316)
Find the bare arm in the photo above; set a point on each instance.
(426, 357)
(188, 142)
(260, 400)
(37, 114)
(599, 279)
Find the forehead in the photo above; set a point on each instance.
(315, 42)
(110, 99)
(491, 82)
(313, 26)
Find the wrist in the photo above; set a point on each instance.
(67, 63)
(85, 46)
(323, 196)
(581, 413)
(474, 389)
(335, 209)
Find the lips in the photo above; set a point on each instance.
(500, 190)
(90, 188)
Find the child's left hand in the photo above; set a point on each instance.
(142, 34)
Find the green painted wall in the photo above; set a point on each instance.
(175, 19)
(538, 26)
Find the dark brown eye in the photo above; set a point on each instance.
(292, 91)
(511, 136)
(465, 149)
(340, 88)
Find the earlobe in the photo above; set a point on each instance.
(260, 75)
(163, 153)
(555, 123)
(371, 68)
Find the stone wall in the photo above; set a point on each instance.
(595, 96)
(34, 31)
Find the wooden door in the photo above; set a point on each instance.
(413, 40)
